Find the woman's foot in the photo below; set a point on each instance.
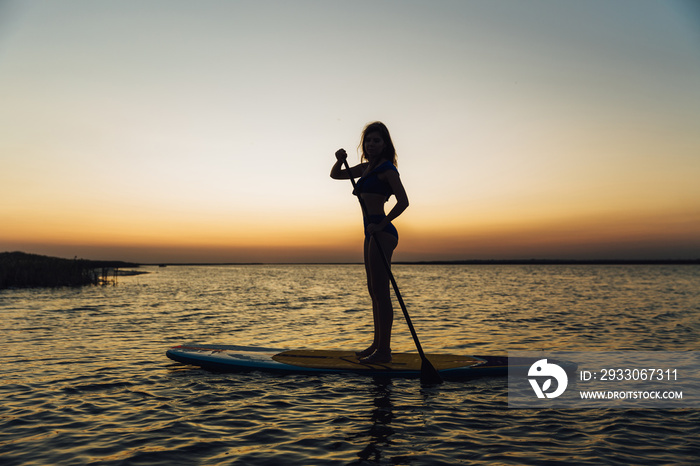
(377, 358)
(365, 353)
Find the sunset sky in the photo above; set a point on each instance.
(204, 131)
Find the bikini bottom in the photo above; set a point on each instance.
(390, 228)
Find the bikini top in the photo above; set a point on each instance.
(372, 184)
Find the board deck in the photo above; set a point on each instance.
(347, 360)
(229, 358)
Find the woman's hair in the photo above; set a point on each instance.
(389, 150)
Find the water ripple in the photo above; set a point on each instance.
(84, 379)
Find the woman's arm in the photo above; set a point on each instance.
(339, 173)
(392, 177)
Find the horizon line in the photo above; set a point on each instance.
(458, 262)
(530, 261)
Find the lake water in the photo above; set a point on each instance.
(84, 378)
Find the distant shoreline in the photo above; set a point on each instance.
(456, 262)
(22, 270)
(560, 262)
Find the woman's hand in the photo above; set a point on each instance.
(370, 229)
(340, 173)
(376, 227)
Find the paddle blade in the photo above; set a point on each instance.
(428, 374)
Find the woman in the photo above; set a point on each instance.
(379, 179)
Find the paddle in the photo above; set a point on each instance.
(428, 373)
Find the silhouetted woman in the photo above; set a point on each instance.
(379, 179)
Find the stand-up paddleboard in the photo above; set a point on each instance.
(246, 358)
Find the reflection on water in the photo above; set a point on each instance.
(379, 429)
(84, 377)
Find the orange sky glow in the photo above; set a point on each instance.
(535, 129)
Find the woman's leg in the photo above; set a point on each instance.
(366, 352)
(379, 289)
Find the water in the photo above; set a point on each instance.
(84, 378)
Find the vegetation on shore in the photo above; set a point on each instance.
(22, 270)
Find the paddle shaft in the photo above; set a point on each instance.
(433, 375)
